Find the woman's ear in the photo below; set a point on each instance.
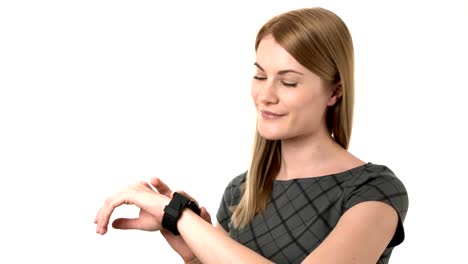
(336, 94)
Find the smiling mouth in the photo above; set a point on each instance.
(270, 116)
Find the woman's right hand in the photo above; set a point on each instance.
(177, 242)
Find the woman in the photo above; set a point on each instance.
(305, 198)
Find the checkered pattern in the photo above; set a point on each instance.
(302, 212)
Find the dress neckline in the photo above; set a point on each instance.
(327, 176)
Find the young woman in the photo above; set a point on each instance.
(305, 198)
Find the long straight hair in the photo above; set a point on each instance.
(320, 41)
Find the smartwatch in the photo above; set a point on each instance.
(174, 209)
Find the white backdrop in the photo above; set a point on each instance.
(95, 95)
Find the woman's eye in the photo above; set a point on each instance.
(289, 84)
(259, 78)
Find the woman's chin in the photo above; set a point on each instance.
(271, 135)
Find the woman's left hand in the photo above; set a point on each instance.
(150, 202)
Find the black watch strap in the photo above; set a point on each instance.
(174, 209)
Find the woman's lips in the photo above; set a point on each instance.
(270, 115)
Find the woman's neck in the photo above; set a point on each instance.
(314, 155)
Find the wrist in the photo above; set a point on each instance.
(174, 210)
(165, 202)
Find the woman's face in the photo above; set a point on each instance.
(291, 101)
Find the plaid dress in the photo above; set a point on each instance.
(302, 212)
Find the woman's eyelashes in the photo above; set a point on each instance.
(284, 83)
(289, 84)
(260, 78)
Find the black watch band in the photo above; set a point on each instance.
(174, 209)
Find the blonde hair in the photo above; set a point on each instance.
(320, 41)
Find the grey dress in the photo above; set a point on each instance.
(302, 212)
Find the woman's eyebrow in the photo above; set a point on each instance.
(258, 66)
(280, 72)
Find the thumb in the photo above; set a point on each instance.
(126, 223)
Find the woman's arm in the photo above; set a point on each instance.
(220, 227)
(361, 235)
(211, 244)
(195, 260)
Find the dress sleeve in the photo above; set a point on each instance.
(379, 183)
(231, 197)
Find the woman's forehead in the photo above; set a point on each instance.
(273, 57)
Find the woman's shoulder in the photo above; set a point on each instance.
(377, 182)
(239, 179)
(235, 184)
(371, 172)
(374, 176)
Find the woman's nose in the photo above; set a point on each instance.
(267, 94)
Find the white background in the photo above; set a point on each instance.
(95, 95)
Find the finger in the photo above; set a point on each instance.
(96, 220)
(205, 215)
(97, 216)
(127, 223)
(161, 187)
(146, 184)
(106, 211)
(165, 232)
